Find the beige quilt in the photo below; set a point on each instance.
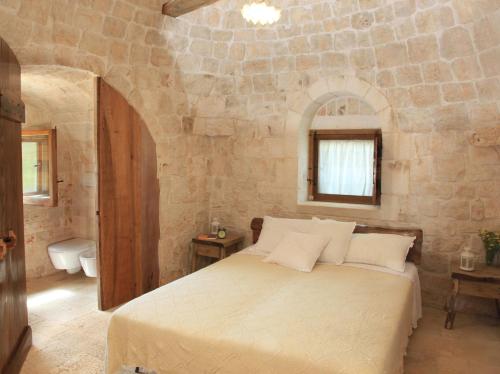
(245, 316)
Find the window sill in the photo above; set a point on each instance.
(324, 204)
(41, 200)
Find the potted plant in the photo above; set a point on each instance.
(491, 242)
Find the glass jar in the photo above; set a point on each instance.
(214, 226)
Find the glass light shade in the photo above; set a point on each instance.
(467, 260)
(261, 13)
(214, 226)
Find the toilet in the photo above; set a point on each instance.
(89, 263)
(65, 255)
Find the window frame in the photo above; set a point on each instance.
(315, 136)
(51, 198)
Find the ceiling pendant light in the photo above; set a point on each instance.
(259, 13)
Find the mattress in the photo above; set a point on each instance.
(241, 315)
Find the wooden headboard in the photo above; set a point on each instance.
(414, 255)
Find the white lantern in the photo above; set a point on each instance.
(467, 260)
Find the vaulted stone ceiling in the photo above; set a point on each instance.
(55, 89)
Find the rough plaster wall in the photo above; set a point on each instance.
(134, 48)
(436, 63)
(62, 98)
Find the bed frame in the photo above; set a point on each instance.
(414, 255)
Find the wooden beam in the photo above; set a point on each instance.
(176, 8)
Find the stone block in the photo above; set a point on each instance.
(391, 55)
(488, 89)
(486, 32)
(456, 42)
(408, 75)
(307, 62)
(114, 27)
(333, 60)
(237, 51)
(404, 8)
(423, 48)
(94, 43)
(139, 54)
(123, 10)
(362, 20)
(490, 62)
(263, 83)
(155, 38)
(35, 10)
(299, 45)
(466, 68)
(161, 57)
(201, 48)
(458, 92)
(321, 42)
(421, 170)
(425, 95)
(65, 35)
(456, 209)
(449, 168)
(257, 67)
(362, 58)
(258, 50)
(436, 72)
(222, 35)
(344, 40)
(385, 78)
(382, 34)
(118, 52)
(451, 117)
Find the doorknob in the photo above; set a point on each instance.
(7, 243)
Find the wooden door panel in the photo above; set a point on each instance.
(128, 261)
(15, 334)
(150, 210)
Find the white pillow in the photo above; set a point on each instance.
(340, 234)
(298, 251)
(385, 250)
(274, 229)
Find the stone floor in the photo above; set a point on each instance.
(69, 334)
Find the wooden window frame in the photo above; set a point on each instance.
(315, 136)
(50, 199)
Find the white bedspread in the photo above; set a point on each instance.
(241, 315)
(411, 272)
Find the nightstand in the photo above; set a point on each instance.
(215, 248)
(482, 282)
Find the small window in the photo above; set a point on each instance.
(345, 166)
(39, 149)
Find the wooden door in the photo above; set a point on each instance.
(15, 334)
(128, 201)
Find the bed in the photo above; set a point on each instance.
(241, 315)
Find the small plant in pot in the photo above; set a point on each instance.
(491, 242)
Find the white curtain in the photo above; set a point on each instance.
(346, 167)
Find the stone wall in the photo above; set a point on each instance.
(228, 104)
(435, 62)
(134, 48)
(64, 99)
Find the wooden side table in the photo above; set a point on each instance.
(482, 282)
(215, 248)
